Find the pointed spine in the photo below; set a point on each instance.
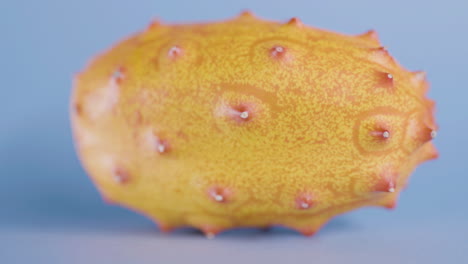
(386, 80)
(390, 205)
(165, 228)
(156, 23)
(370, 36)
(307, 232)
(427, 152)
(246, 14)
(120, 175)
(210, 232)
(387, 181)
(220, 194)
(419, 81)
(296, 22)
(381, 56)
(305, 201)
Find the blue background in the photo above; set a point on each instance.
(51, 213)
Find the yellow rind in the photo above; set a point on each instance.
(313, 110)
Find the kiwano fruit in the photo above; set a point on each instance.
(250, 123)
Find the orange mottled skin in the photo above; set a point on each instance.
(250, 123)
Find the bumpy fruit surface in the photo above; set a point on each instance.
(250, 123)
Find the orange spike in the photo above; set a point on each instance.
(387, 181)
(428, 152)
(165, 228)
(391, 204)
(371, 36)
(279, 52)
(163, 146)
(430, 123)
(304, 201)
(239, 112)
(419, 81)
(424, 130)
(220, 194)
(420, 131)
(295, 22)
(429, 117)
(419, 77)
(427, 134)
(246, 14)
(119, 74)
(385, 185)
(120, 175)
(308, 232)
(385, 80)
(157, 143)
(381, 132)
(381, 56)
(154, 24)
(175, 52)
(210, 231)
(431, 105)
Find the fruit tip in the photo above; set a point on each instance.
(380, 55)
(164, 228)
(295, 22)
(246, 14)
(219, 194)
(390, 205)
(387, 181)
(419, 81)
(155, 23)
(305, 201)
(307, 232)
(386, 80)
(210, 232)
(433, 154)
(210, 235)
(419, 76)
(370, 35)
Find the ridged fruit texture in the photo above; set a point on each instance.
(250, 123)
